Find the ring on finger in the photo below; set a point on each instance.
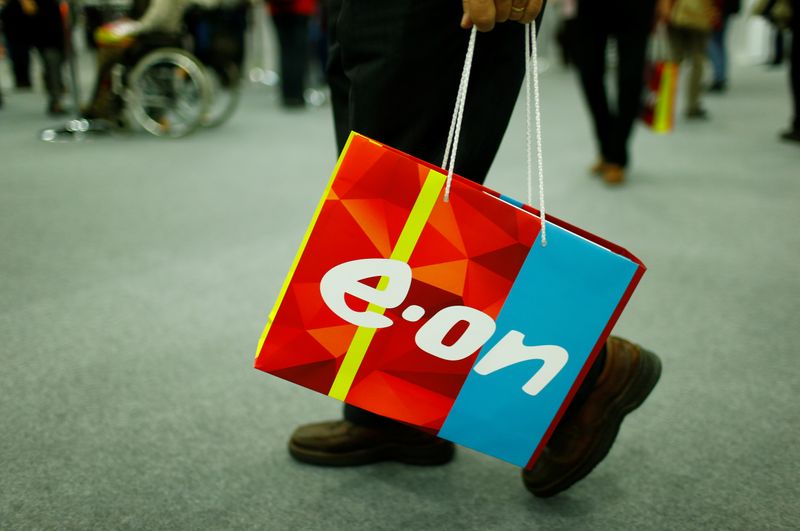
(517, 9)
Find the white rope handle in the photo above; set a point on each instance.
(531, 80)
(458, 115)
(532, 71)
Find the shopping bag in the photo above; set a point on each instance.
(660, 91)
(660, 84)
(446, 315)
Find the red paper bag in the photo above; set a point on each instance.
(450, 316)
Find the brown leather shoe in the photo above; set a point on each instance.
(342, 443)
(581, 441)
(613, 174)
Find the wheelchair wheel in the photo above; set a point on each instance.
(168, 93)
(226, 90)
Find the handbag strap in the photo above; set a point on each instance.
(531, 86)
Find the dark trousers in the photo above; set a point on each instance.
(629, 23)
(394, 69)
(293, 38)
(19, 52)
(53, 61)
(794, 70)
(777, 46)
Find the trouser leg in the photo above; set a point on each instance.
(677, 44)
(632, 38)
(395, 69)
(337, 80)
(698, 41)
(777, 47)
(20, 54)
(794, 68)
(590, 50)
(293, 37)
(53, 61)
(718, 54)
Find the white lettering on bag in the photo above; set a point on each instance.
(391, 292)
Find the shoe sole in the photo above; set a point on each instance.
(436, 453)
(631, 398)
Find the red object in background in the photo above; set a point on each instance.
(294, 7)
(661, 84)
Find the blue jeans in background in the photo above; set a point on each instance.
(718, 54)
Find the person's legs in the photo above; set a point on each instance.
(293, 38)
(677, 44)
(632, 38)
(105, 104)
(718, 56)
(592, 33)
(794, 75)
(19, 52)
(53, 59)
(697, 44)
(102, 105)
(394, 73)
(338, 82)
(777, 47)
(795, 67)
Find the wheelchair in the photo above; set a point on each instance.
(172, 85)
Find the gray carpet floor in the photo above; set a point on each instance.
(136, 275)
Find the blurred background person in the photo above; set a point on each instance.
(778, 47)
(793, 133)
(566, 32)
(690, 25)
(292, 19)
(99, 12)
(17, 36)
(717, 47)
(218, 37)
(783, 14)
(152, 23)
(37, 24)
(318, 37)
(629, 23)
(778, 13)
(2, 52)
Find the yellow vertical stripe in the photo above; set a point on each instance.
(665, 101)
(408, 239)
(302, 248)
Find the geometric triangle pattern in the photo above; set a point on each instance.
(362, 216)
(468, 253)
(475, 250)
